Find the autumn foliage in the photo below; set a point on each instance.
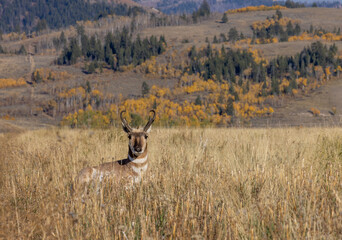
(315, 111)
(10, 82)
(256, 8)
(221, 99)
(45, 74)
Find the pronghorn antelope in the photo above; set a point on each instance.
(130, 168)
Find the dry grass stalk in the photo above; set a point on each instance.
(202, 183)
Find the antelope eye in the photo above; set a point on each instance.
(146, 136)
(129, 136)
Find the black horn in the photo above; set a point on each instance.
(125, 125)
(150, 121)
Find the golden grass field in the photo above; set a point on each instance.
(280, 183)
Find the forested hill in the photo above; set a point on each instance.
(36, 15)
(188, 6)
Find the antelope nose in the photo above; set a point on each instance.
(138, 149)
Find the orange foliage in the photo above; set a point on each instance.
(270, 22)
(10, 82)
(315, 111)
(258, 58)
(307, 37)
(74, 92)
(49, 75)
(8, 117)
(256, 8)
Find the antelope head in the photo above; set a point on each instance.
(137, 136)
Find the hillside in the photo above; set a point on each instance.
(29, 16)
(40, 92)
(246, 142)
(188, 6)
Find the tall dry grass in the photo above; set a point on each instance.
(201, 184)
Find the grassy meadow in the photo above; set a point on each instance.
(281, 183)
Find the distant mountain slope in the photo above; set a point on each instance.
(127, 2)
(188, 6)
(24, 15)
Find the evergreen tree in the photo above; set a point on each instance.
(194, 17)
(297, 30)
(230, 107)
(91, 68)
(85, 44)
(1, 50)
(223, 38)
(198, 100)
(279, 14)
(224, 18)
(215, 39)
(284, 37)
(41, 25)
(289, 29)
(204, 9)
(22, 15)
(62, 39)
(145, 89)
(311, 29)
(36, 78)
(275, 86)
(88, 87)
(233, 34)
(22, 50)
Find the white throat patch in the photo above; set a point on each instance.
(138, 160)
(140, 170)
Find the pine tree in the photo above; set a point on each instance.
(91, 68)
(289, 29)
(297, 30)
(75, 51)
(41, 25)
(311, 29)
(279, 14)
(224, 18)
(88, 87)
(284, 37)
(62, 39)
(145, 89)
(198, 100)
(275, 86)
(204, 9)
(36, 77)
(194, 17)
(22, 50)
(85, 44)
(230, 107)
(1, 49)
(233, 34)
(215, 39)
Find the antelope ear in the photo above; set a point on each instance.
(124, 127)
(148, 130)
